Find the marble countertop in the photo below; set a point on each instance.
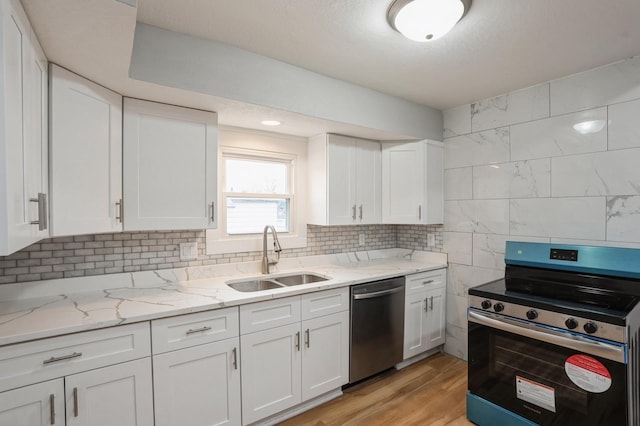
(43, 309)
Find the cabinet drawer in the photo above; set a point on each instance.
(273, 313)
(184, 331)
(326, 302)
(25, 363)
(424, 280)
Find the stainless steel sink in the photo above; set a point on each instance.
(254, 285)
(298, 279)
(271, 283)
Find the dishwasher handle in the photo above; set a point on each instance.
(377, 293)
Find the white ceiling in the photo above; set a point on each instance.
(499, 46)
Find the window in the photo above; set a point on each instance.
(257, 192)
(262, 179)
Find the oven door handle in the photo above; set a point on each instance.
(592, 347)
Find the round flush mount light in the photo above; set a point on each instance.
(426, 20)
(270, 122)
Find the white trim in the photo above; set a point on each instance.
(262, 144)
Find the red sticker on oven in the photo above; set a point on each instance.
(588, 373)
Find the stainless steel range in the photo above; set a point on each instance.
(555, 342)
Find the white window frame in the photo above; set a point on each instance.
(261, 145)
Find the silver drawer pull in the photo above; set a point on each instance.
(427, 282)
(61, 358)
(198, 330)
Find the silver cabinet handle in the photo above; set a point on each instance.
(75, 402)
(234, 353)
(298, 341)
(61, 358)
(426, 305)
(307, 340)
(213, 211)
(360, 211)
(42, 211)
(427, 282)
(198, 330)
(52, 409)
(431, 303)
(119, 210)
(353, 214)
(420, 212)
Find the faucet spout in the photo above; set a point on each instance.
(266, 262)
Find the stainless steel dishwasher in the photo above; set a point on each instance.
(377, 327)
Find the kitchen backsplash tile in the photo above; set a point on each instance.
(519, 179)
(457, 121)
(84, 255)
(458, 246)
(623, 218)
(488, 216)
(458, 183)
(603, 173)
(624, 126)
(491, 146)
(515, 107)
(606, 85)
(556, 136)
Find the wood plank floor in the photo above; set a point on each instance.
(430, 392)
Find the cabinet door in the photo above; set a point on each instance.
(271, 363)
(325, 355)
(368, 182)
(169, 171)
(415, 323)
(36, 405)
(435, 328)
(402, 182)
(24, 177)
(203, 381)
(86, 156)
(341, 173)
(117, 395)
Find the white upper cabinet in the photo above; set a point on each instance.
(344, 181)
(412, 176)
(23, 141)
(169, 166)
(85, 156)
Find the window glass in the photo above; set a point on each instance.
(256, 176)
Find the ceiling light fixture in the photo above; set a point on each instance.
(270, 122)
(426, 20)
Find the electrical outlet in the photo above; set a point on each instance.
(361, 239)
(431, 240)
(189, 251)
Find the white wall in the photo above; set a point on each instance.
(516, 169)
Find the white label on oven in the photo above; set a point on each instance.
(588, 373)
(536, 393)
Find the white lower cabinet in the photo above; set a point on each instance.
(424, 323)
(293, 363)
(35, 405)
(198, 385)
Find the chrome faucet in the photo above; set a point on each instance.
(276, 247)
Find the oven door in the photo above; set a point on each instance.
(546, 375)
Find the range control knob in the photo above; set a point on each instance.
(486, 304)
(571, 323)
(532, 314)
(498, 307)
(590, 327)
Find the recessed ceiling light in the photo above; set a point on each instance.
(426, 20)
(270, 122)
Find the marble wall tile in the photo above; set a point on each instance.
(458, 246)
(623, 219)
(624, 125)
(579, 217)
(610, 84)
(488, 216)
(457, 310)
(488, 249)
(520, 179)
(458, 184)
(491, 146)
(456, 341)
(603, 173)
(460, 278)
(556, 136)
(515, 107)
(457, 121)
